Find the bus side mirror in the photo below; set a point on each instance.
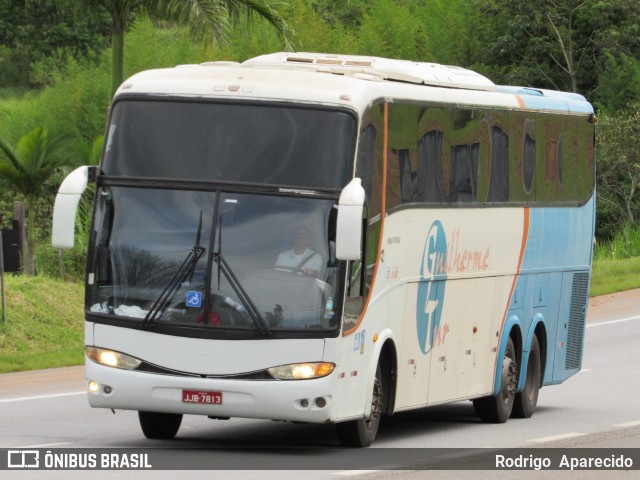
(66, 206)
(349, 224)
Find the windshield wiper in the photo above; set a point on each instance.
(250, 307)
(187, 268)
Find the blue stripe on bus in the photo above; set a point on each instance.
(549, 100)
(556, 249)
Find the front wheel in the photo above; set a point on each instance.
(497, 408)
(160, 426)
(361, 433)
(526, 401)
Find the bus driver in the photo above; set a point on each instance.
(301, 257)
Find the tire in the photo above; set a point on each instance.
(361, 433)
(160, 426)
(526, 401)
(498, 408)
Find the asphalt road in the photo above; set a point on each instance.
(597, 408)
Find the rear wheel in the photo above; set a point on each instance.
(497, 408)
(361, 433)
(526, 401)
(162, 426)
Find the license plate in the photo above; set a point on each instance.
(200, 396)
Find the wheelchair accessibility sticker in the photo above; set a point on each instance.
(194, 299)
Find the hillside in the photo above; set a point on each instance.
(43, 325)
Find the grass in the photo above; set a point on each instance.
(616, 262)
(612, 275)
(43, 325)
(625, 244)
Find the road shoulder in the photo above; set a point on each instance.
(614, 306)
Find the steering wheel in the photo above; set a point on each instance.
(299, 271)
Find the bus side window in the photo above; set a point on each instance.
(464, 174)
(586, 158)
(356, 283)
(369, 165)
(549, 158)
(499, 176)
(430, 177)
(364, 165)
(354, 301)
(408, 178)
(402, 155)
(529, 154)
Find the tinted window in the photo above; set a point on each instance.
(487, 155)
(529, 154)
(549, 168)
(499, 183)
(464, 174)
(231, 142)
(430, 181)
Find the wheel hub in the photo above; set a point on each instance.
(509, 378)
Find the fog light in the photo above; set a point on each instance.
(321, 402)
(107, 389)
(93, 387)
(304, 403)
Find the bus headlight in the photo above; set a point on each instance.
(110, 358)
(301, 371)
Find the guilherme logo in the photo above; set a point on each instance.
(431, 287)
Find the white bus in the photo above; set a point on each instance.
(328, 239)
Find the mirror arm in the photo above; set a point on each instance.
(66, 205)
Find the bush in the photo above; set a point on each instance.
(625, 244)
(67, 264)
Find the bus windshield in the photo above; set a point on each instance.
(265, 144)
(261, 262)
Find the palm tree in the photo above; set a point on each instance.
(208, 20)
(88, 153)
(29, 167)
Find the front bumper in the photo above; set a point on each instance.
(292, 400)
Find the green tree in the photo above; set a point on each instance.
(36, 38)
(387, 30)
(619, 166)
(208, 20)
(89, 153)
(347, 13)
(534, 42)
(619, 84)
(28, 167)
(558, 44)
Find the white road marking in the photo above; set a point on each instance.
(601, 324)
(552, 438)
(627, 424)
(40, 397)
(348, 473)
(378, 468)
